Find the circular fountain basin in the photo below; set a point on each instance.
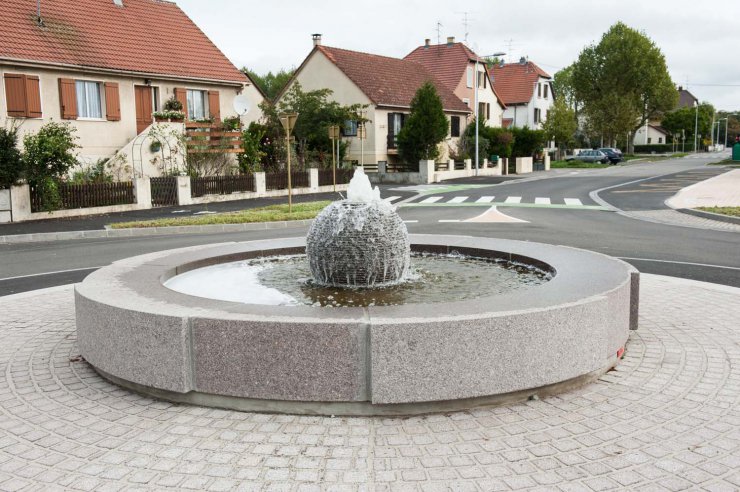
(395, 359)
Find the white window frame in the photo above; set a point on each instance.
(192, 115)
(470, 77)
(101, 100)
(466, 101)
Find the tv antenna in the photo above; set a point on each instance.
(439, 32)
(466, 24)
(509, 44)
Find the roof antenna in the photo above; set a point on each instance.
(39, 20)
(466, 25)
(439, 34)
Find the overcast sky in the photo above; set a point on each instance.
(700, 39)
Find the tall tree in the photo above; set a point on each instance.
(271, 83)
(623, 82)
(425, 128)
(681, 122)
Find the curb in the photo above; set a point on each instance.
(709, 215)
(150, 231)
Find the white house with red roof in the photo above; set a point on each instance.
(454, 64)
(387, 85)
(526, 90)
(105, 66)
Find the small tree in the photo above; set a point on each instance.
(425, 128)
(48, 157)
(560, 125)
(11, 164)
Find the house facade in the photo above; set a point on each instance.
(454, 64)
(386, 85)
(104, 66)
(651, 134)
(526, 90)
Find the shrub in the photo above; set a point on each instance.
(11, 163)
(425, 127)
(527, 142)
(172, 104)
(657, 148)
(232, 123)
(48, 157)
(252, 142)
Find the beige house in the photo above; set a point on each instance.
(387, 85)
(105, 66)
(651, 134)
(455, 65)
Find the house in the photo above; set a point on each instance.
(686, 99)
(105, 66)
(387, 85)
(454, 64)
(526, 90)
(651, 134)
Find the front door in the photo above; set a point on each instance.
(143, 97)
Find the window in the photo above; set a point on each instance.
(482, 80)
(546, 88)
(454, 126)
(155, 98)
(89, 102)
(395, 123)
(537, 115)
(470, 77)
(539, 90)
(650, 140)
(466, 101)
(197, 109)
(488, 111)
(660, 140)
(350, 128)
(22, 95)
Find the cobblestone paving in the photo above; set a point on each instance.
(667, 419)
(672, 217)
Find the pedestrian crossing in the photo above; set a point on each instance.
(512, 201)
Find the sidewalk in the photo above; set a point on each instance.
(720, 191)
(666, 418)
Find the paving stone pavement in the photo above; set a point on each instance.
(672, 217)
(668, 418)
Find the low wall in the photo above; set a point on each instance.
(5, 214)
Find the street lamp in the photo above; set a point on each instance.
(718, 127)
(696, 125)
(477, 116)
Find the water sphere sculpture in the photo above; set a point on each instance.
(360, 241)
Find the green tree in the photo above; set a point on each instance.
(425, 128)
(11, 164)
(48, 156)
(271, 83)
(623, 82)
(560, 125)
(682, 122)
(562, 87)
(527, 142)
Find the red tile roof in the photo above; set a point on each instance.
(144, 36)
(389, 81)
(514, 82)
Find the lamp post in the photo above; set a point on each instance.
(288, 122)
(334, 135)
(362, 134)
(476, 109)
(718, 128)
(696, 126)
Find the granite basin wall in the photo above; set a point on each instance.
(134, 330)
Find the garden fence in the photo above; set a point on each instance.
(72, 196)
(221, 185)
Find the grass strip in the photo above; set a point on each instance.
(272, 213)
(731, 211)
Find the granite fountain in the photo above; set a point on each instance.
(358, 318)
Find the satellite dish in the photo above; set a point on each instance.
(241, 104)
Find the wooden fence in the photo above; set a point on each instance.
(326, 176)
(279, 180)
(72, 196)
(209, 138)
(164, 191)
(221, 185)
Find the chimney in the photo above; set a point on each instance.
(118, 3)
(680, 87)
(522, 61)
(316, 39)
(450, 40)
(427, 41)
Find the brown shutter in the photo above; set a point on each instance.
(182, 96)
(67, 99)
(33, 96)
(112, 102)
(15, 95)
(214, 105)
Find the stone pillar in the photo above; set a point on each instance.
(426, 170)
(143, 192)
(547, 162)
(313, 179)
(382, 167)
(485, 163)
(523, 165)
(468, 164)
(184, 196)
(451, 165)
(5, 215)
(20, 202)
(260, 183)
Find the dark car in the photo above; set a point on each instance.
(612, 154)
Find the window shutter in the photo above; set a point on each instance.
(15, 95)
(68, 99)
(391, 136)
(182, 96)
(33, 96)
(112, 102)
(214, 105)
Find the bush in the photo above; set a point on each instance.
(172, 104)
(527, 142)
(11, 163)
(658, 148)
(252, 141)
(95, 173)
(48, 157)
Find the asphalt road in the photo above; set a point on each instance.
(698, 254)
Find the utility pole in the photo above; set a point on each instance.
(696, 126)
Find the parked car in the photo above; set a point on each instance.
(615, 150)
(592, 156)
(611, 153)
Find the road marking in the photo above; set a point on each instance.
(391, 198)
(431, 199)
(485, 199)
(410, 221)
(448, 220)
(679, 262)
(542, 200)
(50, 273)
(513, 199)
(572, 201)
(458, 199)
